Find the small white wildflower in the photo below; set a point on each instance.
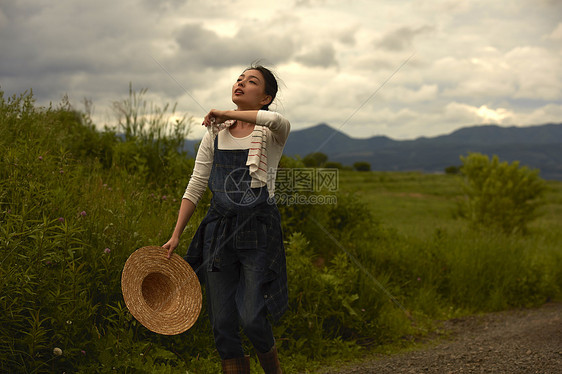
(57, 351)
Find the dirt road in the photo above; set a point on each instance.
(521, 341)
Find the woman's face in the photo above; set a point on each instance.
(248, 93)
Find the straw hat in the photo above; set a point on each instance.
(163, 294)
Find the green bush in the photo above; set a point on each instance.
(153, 139)
(500, 195)
(333, 165)
(453, 169)
(362, 166)
(316, 159)
(336, 310)
(69, 218)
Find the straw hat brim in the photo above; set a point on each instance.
(163, 294)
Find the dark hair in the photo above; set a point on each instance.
(271, 86)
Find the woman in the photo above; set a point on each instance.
(237, 251)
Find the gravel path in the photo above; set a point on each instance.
(520, 341)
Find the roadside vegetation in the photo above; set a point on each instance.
(372, 272)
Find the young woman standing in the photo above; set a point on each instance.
(237, 251)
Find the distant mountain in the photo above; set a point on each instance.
(537, 147)
(325, 139)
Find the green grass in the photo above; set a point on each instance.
(417, 204)
(550, 220)
(413, 203)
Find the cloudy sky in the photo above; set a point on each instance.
(398, 68)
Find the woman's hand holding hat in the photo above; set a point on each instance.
(171, 245)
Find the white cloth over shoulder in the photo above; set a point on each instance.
(216, 127)
(257, 155)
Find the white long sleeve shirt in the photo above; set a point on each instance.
(277, 130)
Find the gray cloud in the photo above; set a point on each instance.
(402, 38)
(309, 3)
(347, 36)
(322, 56)
(58, 39)
(205, 48)
(164, 5)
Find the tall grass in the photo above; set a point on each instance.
(381, 264)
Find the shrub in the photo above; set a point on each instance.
(334, 307)
(69, 218)
(152, 138)
(333, 165)
(453, 169)
(362, 166)
(317, 159)
(499, 195)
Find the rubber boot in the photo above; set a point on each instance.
(270, 361)
(238, 365)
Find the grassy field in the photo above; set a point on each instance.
(417, 204)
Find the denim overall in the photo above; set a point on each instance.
(238, 253)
